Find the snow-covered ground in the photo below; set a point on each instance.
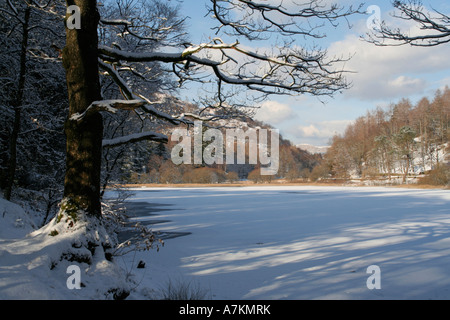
(300, 242)
(30, 264)
(280, 242)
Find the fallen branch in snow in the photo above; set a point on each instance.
(143, 240)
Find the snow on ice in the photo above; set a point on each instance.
(296, 242)
(302, 242)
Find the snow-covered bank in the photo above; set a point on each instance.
(34, 264)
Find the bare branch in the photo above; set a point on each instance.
(436, 27)
(13, 8)
(257, 19)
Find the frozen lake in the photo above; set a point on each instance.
(297, 242)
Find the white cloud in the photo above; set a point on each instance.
(318, 133)
(389, 72)
(273, 112)
(308, 131)
(403, 81)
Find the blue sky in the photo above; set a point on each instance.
(383, 75)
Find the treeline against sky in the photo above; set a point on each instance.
(401, 140)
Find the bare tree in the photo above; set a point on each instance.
(17, 100)
(434, 24)
(156, 24)
(285, 70)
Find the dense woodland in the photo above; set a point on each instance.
(400, 141)
(155, 166)
(33, 105)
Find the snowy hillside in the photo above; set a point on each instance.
(313, 149)
(421, 163)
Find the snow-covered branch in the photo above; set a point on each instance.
(135, 137)
(148, 106)
(116, 22)
(109, 106)
(288, 71)
(111, 54)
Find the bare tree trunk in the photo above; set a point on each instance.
(84, 138)
(17, 105)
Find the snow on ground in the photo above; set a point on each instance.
(30, 264)
(298, 242)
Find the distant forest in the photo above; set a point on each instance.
(151, 163)
(405, 140)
